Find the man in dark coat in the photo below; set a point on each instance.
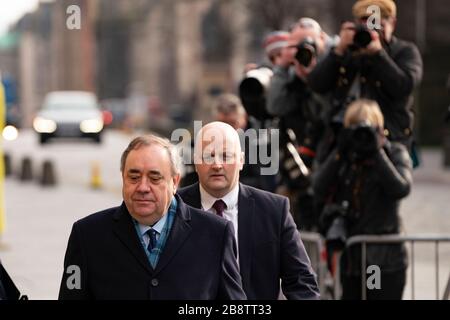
(153, 246)
(269, 245)
(8, 290)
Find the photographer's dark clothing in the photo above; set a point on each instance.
(369, 191)
(298, 108)
(388, 77)
(392, 284)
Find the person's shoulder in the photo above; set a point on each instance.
(401, 44)
(98, 218)
(398, 152)
(188, 189)
(256, 193)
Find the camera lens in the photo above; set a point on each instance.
(304, 56)
(363, 135)
(364, 140)
(306, 51)
(362, 36)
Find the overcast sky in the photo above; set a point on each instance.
(12, 10)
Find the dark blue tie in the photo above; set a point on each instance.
(152, 236)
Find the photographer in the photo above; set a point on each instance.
(373, 64)
(362, 182)
(299, 111)
(289, 96)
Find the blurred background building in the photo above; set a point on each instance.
(156, 64)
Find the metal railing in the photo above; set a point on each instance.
(314, 245)
(364, 240)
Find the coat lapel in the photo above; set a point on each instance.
(246, 208)
(126, 232)
(192, 196)
(181, 230)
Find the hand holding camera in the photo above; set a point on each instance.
(305, 57)
(358, 38)
(360, 142)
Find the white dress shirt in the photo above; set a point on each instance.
(230, 199)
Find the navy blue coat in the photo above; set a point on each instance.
(197, 262)
(270, 248)
(8, 290)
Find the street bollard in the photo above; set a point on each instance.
(8, 169)
(48, 177)
(26, 172)
(96, 179)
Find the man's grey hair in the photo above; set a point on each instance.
(308, 23)
(149, 140)
(229, 103)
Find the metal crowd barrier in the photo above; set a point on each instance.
(314, 245)
(364, 240)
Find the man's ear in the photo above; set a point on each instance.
(242, 159)
(176, 181)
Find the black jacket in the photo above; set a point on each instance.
(373, 190)
(198, 261)
(269, 245)
(8, 290)
(388, 78)
(298, 108)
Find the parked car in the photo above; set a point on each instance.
(69, 114)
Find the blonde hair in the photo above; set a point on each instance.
(387, 8)
(364, 110)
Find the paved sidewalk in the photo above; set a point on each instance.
(427, 211)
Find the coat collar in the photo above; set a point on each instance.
(124, 229)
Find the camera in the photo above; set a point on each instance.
(306, 51)
(252, 91)
(362, 37)
(363, 139)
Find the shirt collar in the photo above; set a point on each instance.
(230, 199)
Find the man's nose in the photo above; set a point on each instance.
(144, 185)
(218, 162)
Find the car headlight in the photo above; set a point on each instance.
(43, 125)
(10, 133)
(91, 125)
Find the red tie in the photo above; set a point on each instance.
(219, 206)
